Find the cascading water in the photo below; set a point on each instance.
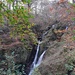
(40, 59)
(35, 62)
(44, 34)
(35, 59)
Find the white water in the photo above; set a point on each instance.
(40, 59)
(35, 62)
(44, 34)
(35, 59)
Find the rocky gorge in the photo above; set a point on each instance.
(56, 41)
(59, 48)
(42, 45)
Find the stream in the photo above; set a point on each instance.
(36, 62)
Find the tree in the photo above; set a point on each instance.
(15, 14)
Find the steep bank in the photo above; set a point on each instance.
(60, 51)
(15, 50)
(58, 41)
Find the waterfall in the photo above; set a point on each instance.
(35, 59)
(40, 59)
(44, 34)
(35, 62)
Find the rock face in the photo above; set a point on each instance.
(60, 50)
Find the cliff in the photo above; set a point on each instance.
(60, 50)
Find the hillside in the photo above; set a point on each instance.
(37, 37)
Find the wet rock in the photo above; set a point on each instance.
(40, 38)
(32, 55)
